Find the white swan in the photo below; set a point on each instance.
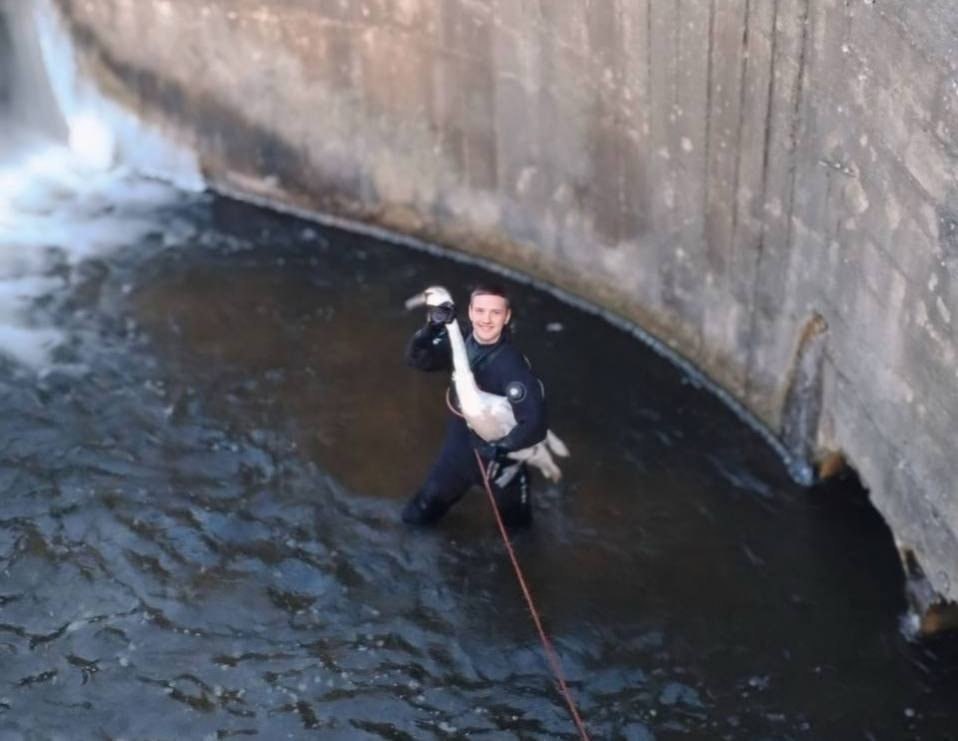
(489, 415)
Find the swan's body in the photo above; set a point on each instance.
(490, 416)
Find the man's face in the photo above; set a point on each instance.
(488, 314)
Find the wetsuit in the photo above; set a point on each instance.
(499, 369)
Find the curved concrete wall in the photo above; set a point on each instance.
(768, 185)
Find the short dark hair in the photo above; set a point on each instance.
(490, 289)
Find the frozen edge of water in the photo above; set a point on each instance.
(800, 471)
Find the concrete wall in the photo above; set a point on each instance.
(768, 185)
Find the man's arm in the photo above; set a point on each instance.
(528, 404)
(428, 350)
(524, 392)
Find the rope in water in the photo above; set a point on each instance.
(552, 655)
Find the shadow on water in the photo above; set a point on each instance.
(200, 532)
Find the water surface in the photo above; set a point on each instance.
(202, 476)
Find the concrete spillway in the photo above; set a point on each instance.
(768, 187)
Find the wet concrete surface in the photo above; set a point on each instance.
(200, 530)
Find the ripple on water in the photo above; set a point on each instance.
(200, 523)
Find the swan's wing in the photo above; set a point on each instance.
(556, 445)
(493, 419)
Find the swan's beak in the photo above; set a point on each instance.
(416, 301)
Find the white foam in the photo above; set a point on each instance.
(56, 210)
(92, 141)
(63, 202)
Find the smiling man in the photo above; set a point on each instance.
(489, 314)
(499, 368)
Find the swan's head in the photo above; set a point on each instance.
(432, 296)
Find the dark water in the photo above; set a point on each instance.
(199, 535)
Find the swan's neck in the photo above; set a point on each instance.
(462, 378)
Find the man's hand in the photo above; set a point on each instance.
(442, 314)
(492, 452)
(500, 468)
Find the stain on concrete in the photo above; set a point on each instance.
(948, 232)
(803, 398)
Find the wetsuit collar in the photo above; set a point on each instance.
(480, 354)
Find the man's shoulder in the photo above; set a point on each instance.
(511, 358)
(516, 378)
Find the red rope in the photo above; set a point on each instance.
(551, 654)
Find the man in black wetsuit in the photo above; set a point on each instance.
(499, 368)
